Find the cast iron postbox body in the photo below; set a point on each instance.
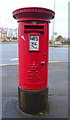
(33, 40)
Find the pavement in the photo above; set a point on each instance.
(57, 98)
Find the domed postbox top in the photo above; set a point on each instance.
(33, 13)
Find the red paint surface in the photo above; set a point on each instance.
(33, 65)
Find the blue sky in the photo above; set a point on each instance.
(61, 13)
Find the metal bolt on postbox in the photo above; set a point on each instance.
(33, 40)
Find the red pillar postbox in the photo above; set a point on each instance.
(33, 40)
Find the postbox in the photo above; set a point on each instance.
(33, 41)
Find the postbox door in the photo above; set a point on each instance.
(34, 65)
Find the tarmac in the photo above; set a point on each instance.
(57, 98)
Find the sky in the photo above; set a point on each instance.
(61, 13)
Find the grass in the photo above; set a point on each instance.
(51, 45)
(47, 110)
(9, 41)
(58, 45)
(66, 44)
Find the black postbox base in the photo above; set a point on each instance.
(32, 102)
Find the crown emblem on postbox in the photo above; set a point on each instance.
(33, 66)
(33, 74)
